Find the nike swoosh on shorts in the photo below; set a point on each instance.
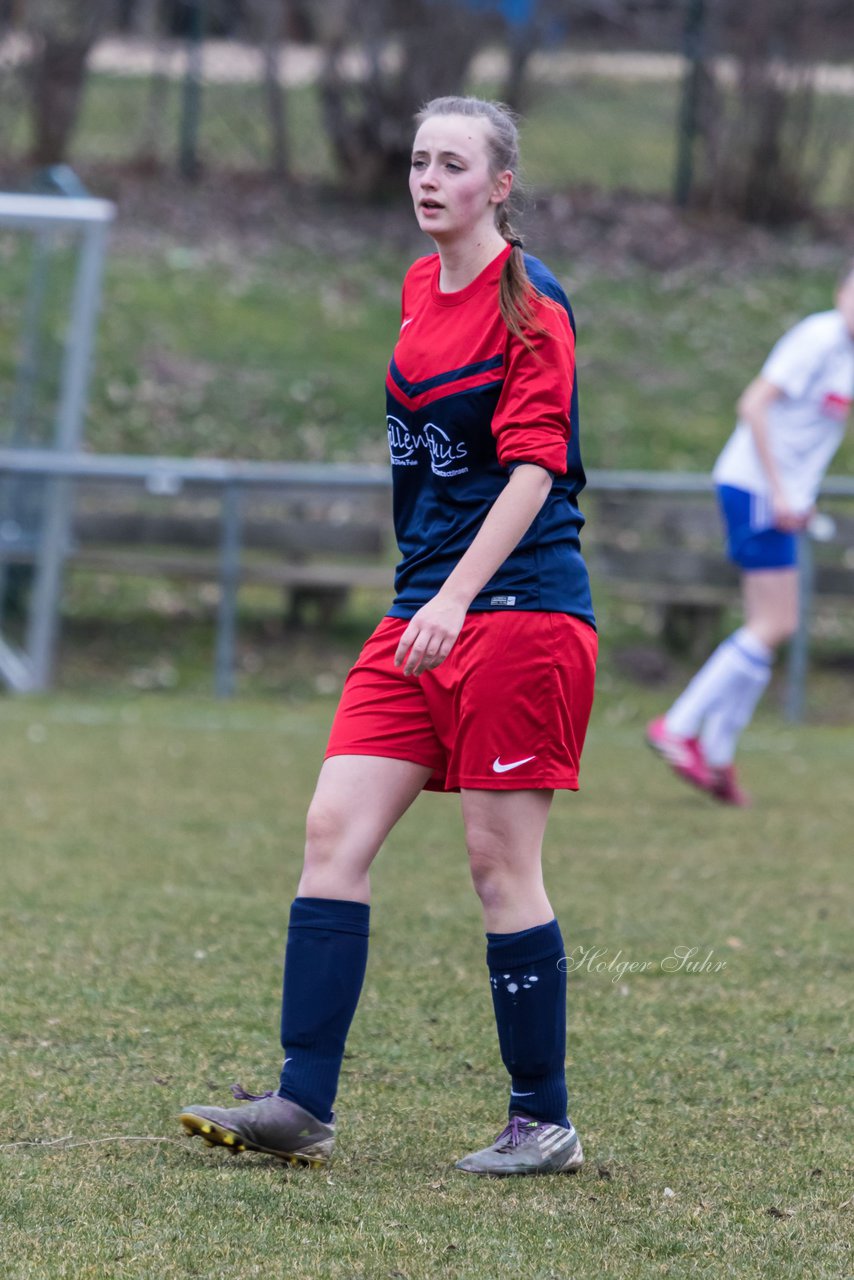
(498, 767)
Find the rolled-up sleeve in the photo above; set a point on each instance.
(531, 421)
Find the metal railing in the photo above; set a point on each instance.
(166, 477)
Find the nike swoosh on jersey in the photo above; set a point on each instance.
(498, 767)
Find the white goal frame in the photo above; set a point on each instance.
(29, 669)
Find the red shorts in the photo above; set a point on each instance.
(506, 711)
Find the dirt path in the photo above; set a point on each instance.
(227, 61)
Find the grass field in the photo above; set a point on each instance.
(219, 347)
(282, 354)
(617, 134)
(150, 845)
(149, 850)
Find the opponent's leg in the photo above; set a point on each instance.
(771, 613)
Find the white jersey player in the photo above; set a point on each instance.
(791, 420)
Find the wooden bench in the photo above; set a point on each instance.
(665, 550)
(317, 547)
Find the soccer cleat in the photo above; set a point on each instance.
(268, 1123)
(684, 755)
(528, 1146)
(725, 787)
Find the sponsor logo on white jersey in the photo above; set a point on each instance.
(835, 406)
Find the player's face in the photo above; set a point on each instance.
(845, 301)
(453, 189)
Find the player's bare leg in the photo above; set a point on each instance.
(357, 801)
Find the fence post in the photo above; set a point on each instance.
(799, 646)
(229, 577)
(689, 107)
(191, 100)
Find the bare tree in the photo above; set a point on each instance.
(62, 34)
(410, 50)
(758, 134)
(145, 18)
(268, 21)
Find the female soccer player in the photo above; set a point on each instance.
(479, 680)
(791, 421)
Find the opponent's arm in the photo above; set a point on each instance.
(753, 408)
(431, 633)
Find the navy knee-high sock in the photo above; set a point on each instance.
(325, 961)
(529, 997)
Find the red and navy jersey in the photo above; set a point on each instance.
(467, 401)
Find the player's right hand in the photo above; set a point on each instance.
(430, 636)
(786, 519)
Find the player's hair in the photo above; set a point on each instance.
(515, 291)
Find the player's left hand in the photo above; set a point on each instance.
(429, 636)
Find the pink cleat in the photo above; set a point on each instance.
(725, 787)
(684, 755)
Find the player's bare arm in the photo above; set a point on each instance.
(753, 407)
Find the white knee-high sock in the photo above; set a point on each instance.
(722, 697)
(726, 722)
